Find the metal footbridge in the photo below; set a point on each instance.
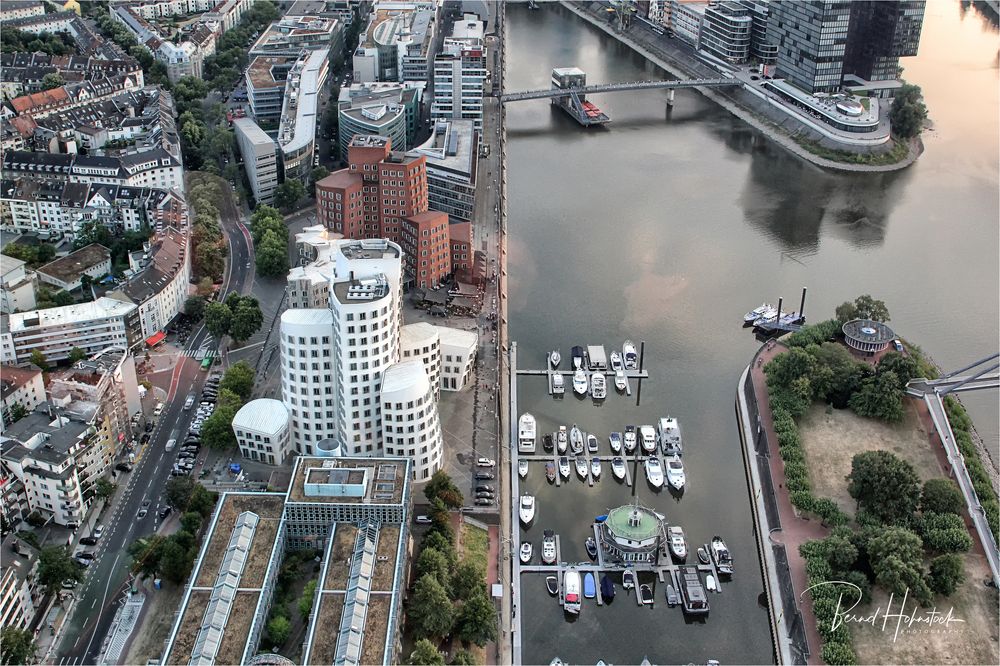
(618, 87)
(983, 375)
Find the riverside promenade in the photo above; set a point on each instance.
(682, 66)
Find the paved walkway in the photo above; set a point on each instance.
(794, 530)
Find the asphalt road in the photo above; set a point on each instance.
(108, 577)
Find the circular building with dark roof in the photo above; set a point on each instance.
(867, 336)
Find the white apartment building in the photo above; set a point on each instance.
(20, 386)
(17, 285)
(155, 168)
(308, 382)
(421, 341)
(448, 354)
(460, 74)
(262, 431)
(410, 424)
(19, 9)
(260, 159)
(91, 326)
(17, 583)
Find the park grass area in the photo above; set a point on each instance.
(475, 545)
(832, 437)
(900, 151)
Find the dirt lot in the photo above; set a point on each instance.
(155, 626)
(831, 438)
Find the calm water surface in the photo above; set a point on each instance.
(668, 226)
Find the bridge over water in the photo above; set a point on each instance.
(618, 87)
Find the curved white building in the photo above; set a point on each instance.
(448, 354)
(308, 383)
(410, 424)
(262, 431)
(421, 341)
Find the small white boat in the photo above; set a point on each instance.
(766, 314)
(526, 433)
(616, 442)
(548, 547)
(562, 439)
(558, 384)
(710, 583)
(618, 467)
(647, 436)
(628, 579)
(654, 472)
(555, 358)
(675, 472)
(595, 468)
(571, 592)
(526, 551)
(630, 438)
(598, 386)
(564, 467)
(616, 361)
(522, 468)
(621, 383)
(757, 313)
(646, 595)
(721, 555)
(670, 436)
(592, 443)
(526, 508)
(580, 383)
(678, 544)
(576, 440)
(629, 356)
(581, 467)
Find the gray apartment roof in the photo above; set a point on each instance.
(73, 265)
(59, 441)
(453, 147)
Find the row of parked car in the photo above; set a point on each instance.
(192, 443)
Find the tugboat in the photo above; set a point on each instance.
(630, 438)
(591, 546)
(550, 471)
(616, 442)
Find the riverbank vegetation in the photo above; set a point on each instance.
(899, 152)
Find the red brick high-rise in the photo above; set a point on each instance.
(382, 194)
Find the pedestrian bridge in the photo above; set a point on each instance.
(618, 87)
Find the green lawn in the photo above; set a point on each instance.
(475, 544)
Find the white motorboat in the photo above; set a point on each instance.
(711, 584)
(526, 508)
(678, 544)
(628, 579)
(555, 358)
(576, 440)
(526, 552)
(595, 468)
(765, 314)
(757, 313)
(675, 472)
(630, 439)
(720, 553)
(526, 433)
(581, 467)
(558, 384)
(616, 442)
(564, 467)
(548, 547)
(522, 468)
(616, 361)
(592, 443)
(618, 467)
(580, 383)
(598, 386)
(647, 435)
(577, 357)
(629, 356)
(654, 472)
(562, 439)
(621, 383)
(571, 592)
(670, 436)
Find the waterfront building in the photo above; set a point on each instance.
(396, 44)
(633, 533)
(448, 354)
(726, 32)
(385, 109)
(686, 19)
(422, 341)
(451, 153)
(93, 261)
(762, 51)
(355, 511)
(460, 73)
(17, 285)
(262, 431)
(882, 33)
(410, 424)
(260, 159)
(20, 385)
(867, 336)
(91, 326)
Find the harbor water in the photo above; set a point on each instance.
(666, 226)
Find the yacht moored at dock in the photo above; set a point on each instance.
(581, 467)
(670, 436)
(678, 544)
(564, 467)
(558, 384)
(526, 509)
(526, 551)
(598, 386)
(693, 597)
(577, 356)
(616, 442)
(721, 555)
(675, 473)
(571, 592)
(526, 433)
(576, 440)
(592, 443)
(580, 383)
(562, 439)
(595, 468)
(589, 586)
(654, 472)
(765, 310)
(630, 438)
(618, 467)
(628, 579)
(550, 471)
(629, 355)
(647, 435)
(616, 361)
(621, 382)
(522, 468)
(548, 547)
(555, 358)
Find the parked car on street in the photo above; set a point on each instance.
(486, 462)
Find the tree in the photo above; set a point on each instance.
(205, 289)
(238, 379)
(430, 612)
(786, 368)
(477, 620)
(63, 297)
(947, 573)
(76, 355)
(194, 307)
(178, 492)
(209, 260)
(837, 652)
(17, 412)
(202, 500)
(425, 654)
(941, 496)
(316, 175)
(908, 112)
(104, 489)
(469, 579)
(441, 520)
(441, 543)
(288, 194)
(871, 308)
(145, 554)
(38, 358)
(434, 563)
(55, 566)
(247, 319)
(306, 602)
(191, 521)
(52, 80)
(278, 630)
(175, 560)
(905, 367)
(463, 658)
(896, 555)
(19, 645)
(944, 532)
(880, 397)
(441, 486)
(271, 256)
(217, 318)
(884, 485)
(217, 430)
